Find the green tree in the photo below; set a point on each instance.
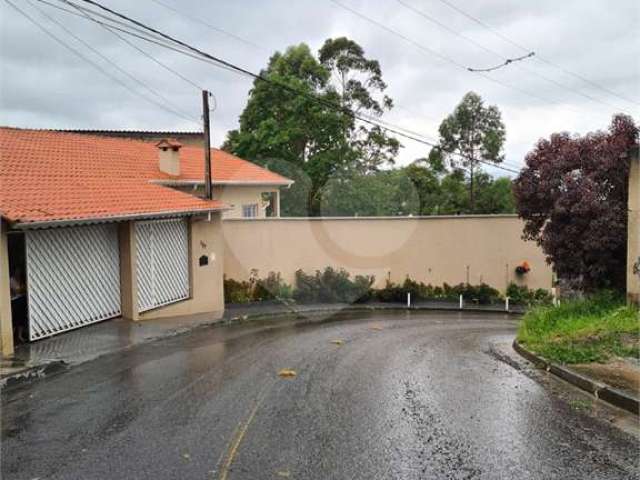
(474, 132)
(358, 81)
(384, 193)
(311, 131)
(494, 195)
(426, 181)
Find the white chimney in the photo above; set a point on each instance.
(169, 156)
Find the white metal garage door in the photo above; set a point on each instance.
(73, 278)
(162, 262)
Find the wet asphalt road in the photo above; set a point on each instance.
(406, 396)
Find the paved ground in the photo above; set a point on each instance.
(405, 396)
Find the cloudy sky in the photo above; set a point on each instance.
(44, 85)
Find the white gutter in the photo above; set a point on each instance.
(237, 183)
(116, 218)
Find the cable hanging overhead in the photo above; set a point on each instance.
(98, 67)
(194, 51)
(538, 56)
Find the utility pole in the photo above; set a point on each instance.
(207, 145)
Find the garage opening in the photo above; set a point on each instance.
(18, 287)
(162, 262)
(73, 278)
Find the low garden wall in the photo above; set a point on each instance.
(472, 249)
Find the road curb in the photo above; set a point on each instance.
(358, 309)
(597, 389)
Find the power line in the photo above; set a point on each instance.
(79, 54)
(363, 118)
(503, 64)
(540, 58)
(451, 60)
(506, 61)
(444, 26)
(112, 25)
(147, 54)
(208, 25)
(151, 90)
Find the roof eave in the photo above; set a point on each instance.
(236, 183)
(18, 225)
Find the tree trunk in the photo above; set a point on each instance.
(314, 201)
(472, 200)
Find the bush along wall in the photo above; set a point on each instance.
(337, 286)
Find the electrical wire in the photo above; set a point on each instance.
(208, 25)
(506, 61)
(147, 54)
(151, 90)
(363, 118)
(141, 34)
(79, 54)
(540, 58)
(449, 59)
(244, 71)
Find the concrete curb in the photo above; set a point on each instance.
(340, 308)
(597, 389)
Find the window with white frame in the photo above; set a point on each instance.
(250, 211)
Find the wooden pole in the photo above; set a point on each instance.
(207, 145)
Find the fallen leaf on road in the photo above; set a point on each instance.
(375, 327)
(287, 373)
(284, 474)
(337, 342)
(186, 455)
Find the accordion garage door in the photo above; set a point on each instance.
(162, 262)
(73, 278)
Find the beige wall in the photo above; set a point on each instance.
(206, 281)
(633, 245)
(236, 196)
(429, 249)
(6, 328)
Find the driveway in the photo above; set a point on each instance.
(375, 396)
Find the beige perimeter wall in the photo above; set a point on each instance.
(480, 248)
(633, 245)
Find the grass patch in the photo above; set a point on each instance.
(581, 331)
(581, 405)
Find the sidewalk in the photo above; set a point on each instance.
(56, 353)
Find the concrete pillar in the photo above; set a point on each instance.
(6, 325)
(633, 242)
(128, 271)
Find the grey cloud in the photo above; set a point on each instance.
(43, 85)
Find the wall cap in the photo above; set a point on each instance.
(417, 217)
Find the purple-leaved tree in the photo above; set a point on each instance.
(572, 196)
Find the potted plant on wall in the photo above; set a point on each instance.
(523, 268)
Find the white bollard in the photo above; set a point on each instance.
(408, 299)
(461, 302)
(506, 304)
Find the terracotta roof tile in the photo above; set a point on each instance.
(50, 176)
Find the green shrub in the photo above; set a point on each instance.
(257, 289)
(392, 292)
(272, 288)
(236, 292)
(524, 295)
(587, 330)
(331, 286)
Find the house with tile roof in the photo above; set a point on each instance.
(247, 189)
(95, 227)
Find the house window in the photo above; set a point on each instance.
(250, 211)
